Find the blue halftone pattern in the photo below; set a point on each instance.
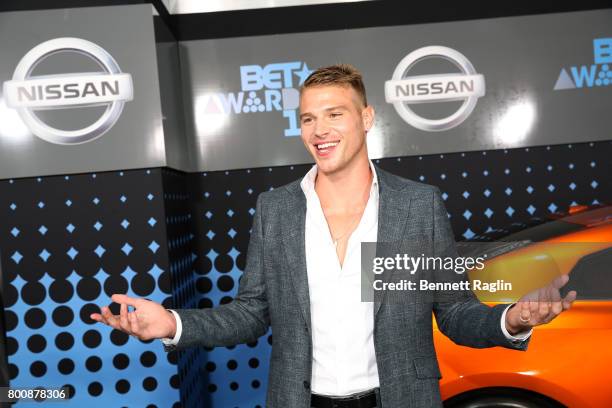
(80, 239)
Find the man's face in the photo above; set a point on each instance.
(334, 124)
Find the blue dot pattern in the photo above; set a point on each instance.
(74, 241)
(182, 253)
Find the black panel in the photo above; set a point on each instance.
(321, 17)
(342, 16)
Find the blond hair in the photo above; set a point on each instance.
(339, 74)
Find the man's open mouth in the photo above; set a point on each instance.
(326, 145)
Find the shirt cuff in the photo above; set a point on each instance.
(517, 338)
(179, 330)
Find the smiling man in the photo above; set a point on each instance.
(302, 276)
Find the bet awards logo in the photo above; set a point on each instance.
(403, 90)
(588, 76)
(263, 88)
(27, 94)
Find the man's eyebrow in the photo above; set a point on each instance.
(331, 108)
(303, 115)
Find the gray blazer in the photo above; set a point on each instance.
(274, 292)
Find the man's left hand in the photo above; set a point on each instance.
(539, 307)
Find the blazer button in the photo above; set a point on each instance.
(307, 385)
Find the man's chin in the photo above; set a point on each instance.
(327, 167)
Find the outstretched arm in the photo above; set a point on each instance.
(244, 319)
(467, 321)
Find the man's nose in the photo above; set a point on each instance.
(321, 129)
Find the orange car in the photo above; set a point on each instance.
(568, 361)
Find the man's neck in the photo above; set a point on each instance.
(343, 191)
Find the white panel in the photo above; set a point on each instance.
(199, 6)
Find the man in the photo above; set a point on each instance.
(302, 276)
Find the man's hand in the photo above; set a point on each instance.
(149, 320)
(539, 307)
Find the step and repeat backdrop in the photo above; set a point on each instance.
(131, 163)
(436, 88)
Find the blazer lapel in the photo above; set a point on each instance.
(294, 230)
(393, 210)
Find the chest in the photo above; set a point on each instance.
(336, 265)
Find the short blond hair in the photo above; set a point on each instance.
(339, 74)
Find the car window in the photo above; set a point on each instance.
(534, 230)
(591, 278)
(543, 232)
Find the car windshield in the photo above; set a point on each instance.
(516, 235)
(534, 230)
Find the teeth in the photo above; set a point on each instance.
(326, 145)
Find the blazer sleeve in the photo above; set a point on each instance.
(459, 314)
(243, 320)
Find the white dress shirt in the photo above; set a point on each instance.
(344, 360)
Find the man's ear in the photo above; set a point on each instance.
(367, 115)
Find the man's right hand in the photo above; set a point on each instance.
(148, 321)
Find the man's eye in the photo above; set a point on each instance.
(306, 120)
(335, 114)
